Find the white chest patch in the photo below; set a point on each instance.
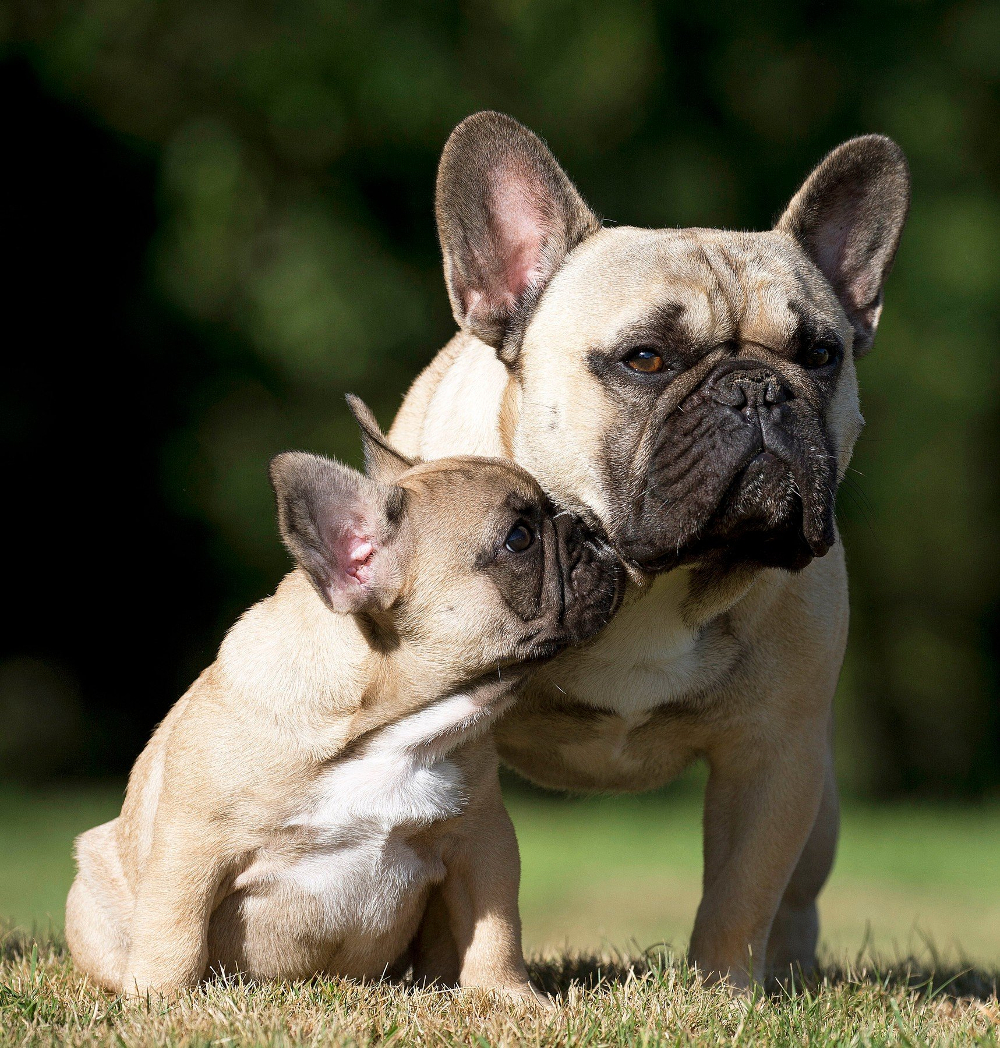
(362, 874)
(401, 779)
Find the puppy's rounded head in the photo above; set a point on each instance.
(465, 558)
(496, 569)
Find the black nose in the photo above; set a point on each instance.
(756, 388)
(576, 533)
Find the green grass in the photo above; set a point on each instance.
(597, 875)
(625, 871)
(599, 1001)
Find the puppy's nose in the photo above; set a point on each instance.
(754, 389)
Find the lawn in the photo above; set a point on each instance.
(625, 871)
(603, 881)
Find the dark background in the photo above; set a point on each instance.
(219, 218)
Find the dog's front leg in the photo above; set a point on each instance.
(480, 894)
(761, 802)
(174, 898)
(791, 946)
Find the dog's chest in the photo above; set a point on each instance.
(367, 840)
(649, 656)
(599, 724)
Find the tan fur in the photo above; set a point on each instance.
(665, 685)
(194, 876)
(736, 666)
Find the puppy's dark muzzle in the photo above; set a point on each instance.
(593, 577)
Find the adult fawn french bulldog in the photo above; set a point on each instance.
(694, 391)
(324, 798)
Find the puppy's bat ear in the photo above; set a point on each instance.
(342, 528)
(507, 216)
(382, 461)
(848, 218)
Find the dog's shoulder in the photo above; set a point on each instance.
(407, 428)
(293, 651)
(455, 405)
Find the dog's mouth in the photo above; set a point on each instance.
(585, 586)
(764, 508)
(752, 481)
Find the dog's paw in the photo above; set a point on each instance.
(520, 994)
(531, 996)
(137, 986)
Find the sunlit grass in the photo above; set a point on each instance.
(605, 1000)
(626, 871)
(597, 872)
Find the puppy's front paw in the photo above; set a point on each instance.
(529, 995)
(140, 985)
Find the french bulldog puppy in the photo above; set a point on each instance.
(693, 390)
(324, 798)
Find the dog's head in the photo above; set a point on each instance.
(695, 389)
(465, 559)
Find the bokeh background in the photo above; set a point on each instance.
(218, 218)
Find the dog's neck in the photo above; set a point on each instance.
(311, 670)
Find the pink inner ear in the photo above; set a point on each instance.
(520, 223)
(354, 557)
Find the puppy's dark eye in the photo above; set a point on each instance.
(820, 353)
(520, 538)
(646, 360)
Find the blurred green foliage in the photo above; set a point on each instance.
(293, 149)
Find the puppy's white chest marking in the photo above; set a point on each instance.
(402, 779)
(361, 869)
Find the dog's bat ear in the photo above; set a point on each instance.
(342, 528)
(382, 461)
(848, 217)
(507, 216)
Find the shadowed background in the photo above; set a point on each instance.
(219, 218)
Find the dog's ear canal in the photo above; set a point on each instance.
(342, 528)
(507, 216)
(382, 461)
(848, 217)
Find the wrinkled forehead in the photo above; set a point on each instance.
(703, 286)
(472, 485)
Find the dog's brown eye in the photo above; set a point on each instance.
(648, 361)
(520, 538)
(819, 354)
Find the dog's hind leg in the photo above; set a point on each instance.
(99, 908)
(434, 953)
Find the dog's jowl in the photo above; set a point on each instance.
(695, 392)
(324, 799)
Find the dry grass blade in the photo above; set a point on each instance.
(615, 999)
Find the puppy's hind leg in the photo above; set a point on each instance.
(434, 953)
(99, 907)
(480, 894)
